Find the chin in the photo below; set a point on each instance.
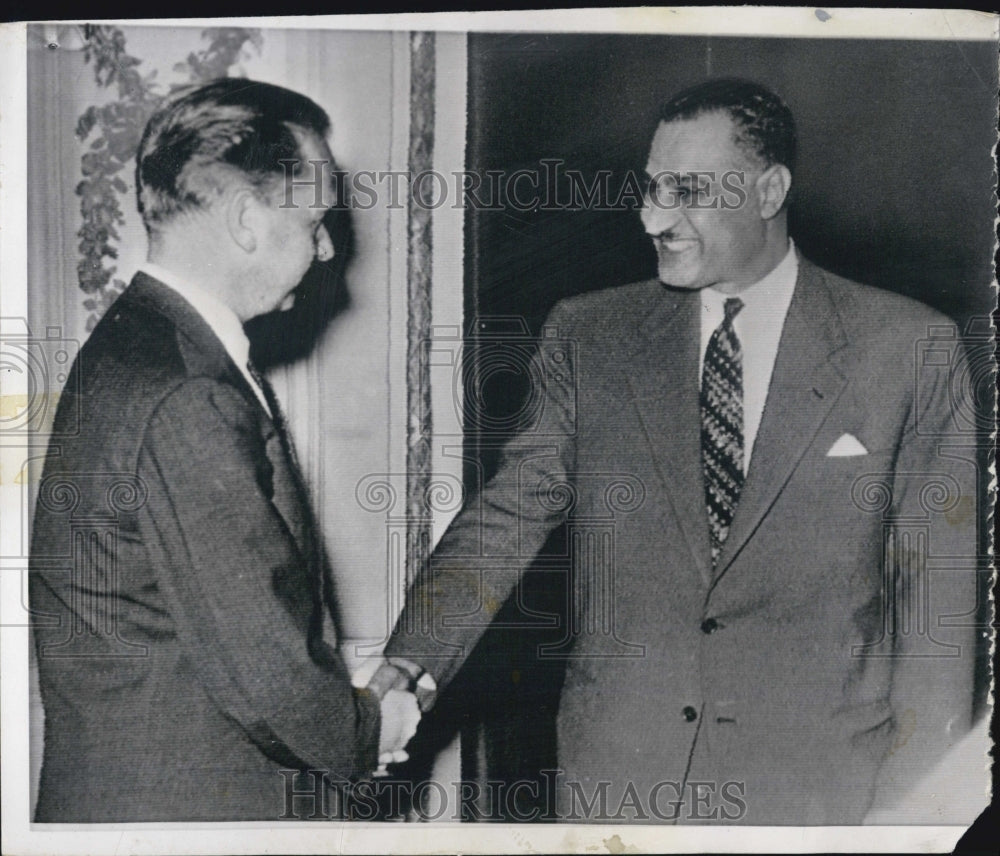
(679, 279)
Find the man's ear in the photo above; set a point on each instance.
(772, 189)
(242, 219)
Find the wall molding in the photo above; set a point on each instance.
(419, 268)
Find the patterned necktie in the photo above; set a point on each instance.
(722, 426)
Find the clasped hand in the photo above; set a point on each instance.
(394, 686)
(400, 717)
(403, 691)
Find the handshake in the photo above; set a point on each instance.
(405, 692)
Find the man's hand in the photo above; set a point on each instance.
(404, 692)
(400, 717)
(398, 674)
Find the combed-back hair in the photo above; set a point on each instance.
(765, 128)
(205, 138)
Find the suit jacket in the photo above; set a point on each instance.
(821, 658)
(176, 584)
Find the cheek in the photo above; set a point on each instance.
(713, 228)
(296, 247)
(722, 229)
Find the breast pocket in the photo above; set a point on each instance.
(841, 492)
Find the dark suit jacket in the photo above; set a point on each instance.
(788, 672)
(175, 587)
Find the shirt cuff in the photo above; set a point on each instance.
(400, 673)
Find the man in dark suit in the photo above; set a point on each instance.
(182, 604)
(770, 503)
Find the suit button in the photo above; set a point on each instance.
(709, 625)
(690, 714)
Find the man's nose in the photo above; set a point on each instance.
(324, 245)
(661, 214)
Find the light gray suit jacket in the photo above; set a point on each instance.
(829, 655)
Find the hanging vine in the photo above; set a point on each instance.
(114, 130)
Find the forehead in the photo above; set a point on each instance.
(311, 145)
(314, 181)
(706, 142)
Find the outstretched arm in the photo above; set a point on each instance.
(495, 537)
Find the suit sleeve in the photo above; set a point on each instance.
(237, 585)
(937, 493)
(500, 529)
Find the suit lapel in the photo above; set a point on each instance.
(805, 385)
(206, 355)
(663, 379)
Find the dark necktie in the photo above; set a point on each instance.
(722, 426)
(276, 414)
(322, 632)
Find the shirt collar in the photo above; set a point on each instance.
(220, 318)
(772, 292)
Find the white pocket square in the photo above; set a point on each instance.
(847, 446)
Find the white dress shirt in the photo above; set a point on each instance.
(758, 326)
(224, 322)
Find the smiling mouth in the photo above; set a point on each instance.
(676, 245)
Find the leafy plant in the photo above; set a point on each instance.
(114, 130)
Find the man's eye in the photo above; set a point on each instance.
(663, 192)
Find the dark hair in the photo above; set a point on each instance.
(765, 128)
(230, 124)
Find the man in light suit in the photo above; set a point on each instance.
(182, 602)
(770, 504)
